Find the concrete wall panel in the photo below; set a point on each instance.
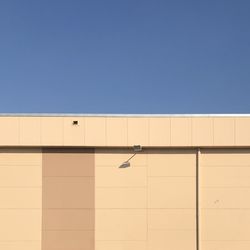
(159, 132)
(224, 129)
(30, 131)
(226, 225)
(65, 240)
(21, 199)
(121, 224)
(120, 245)
(171, 163)
(21, 245)
(179, 192)
(202, 131)
(121, 197)
(52, 131)
(71, 219)
(232, 177)
(221, 197)
(224, 207)
(73, 135)
(117, 131)
(181, 131)
(20, 225)
(138, 131)
(225, 158)
(9, 131)
(73, 163)
(62, 192)
(171, 219)
(226, 245)
(68, 199)
(170, 239)
(95, 131)
(17, 176)
(242, 131)
(116, 177)
(20, 157)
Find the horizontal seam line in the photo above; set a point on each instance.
(69, 230)
(69, 176)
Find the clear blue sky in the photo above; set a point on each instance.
(130, 56)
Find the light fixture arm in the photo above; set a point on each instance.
(125, 164)
(131, 157)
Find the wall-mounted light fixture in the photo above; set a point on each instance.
(75, 123)
(126, 164)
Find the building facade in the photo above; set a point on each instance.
(61, 187)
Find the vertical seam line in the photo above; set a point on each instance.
(197, 201)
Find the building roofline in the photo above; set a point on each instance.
(116, 115)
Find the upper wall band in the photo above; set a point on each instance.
(169, 131)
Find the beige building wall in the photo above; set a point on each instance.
(68, 199)
(159, 131)
(224, 199)
(20, 199)
(151, 205)
(61, 188)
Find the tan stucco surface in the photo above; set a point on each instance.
(61, 186)
(149, 206)
(68, 199)
(125, 131)
(224, 199)
(20, 199)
